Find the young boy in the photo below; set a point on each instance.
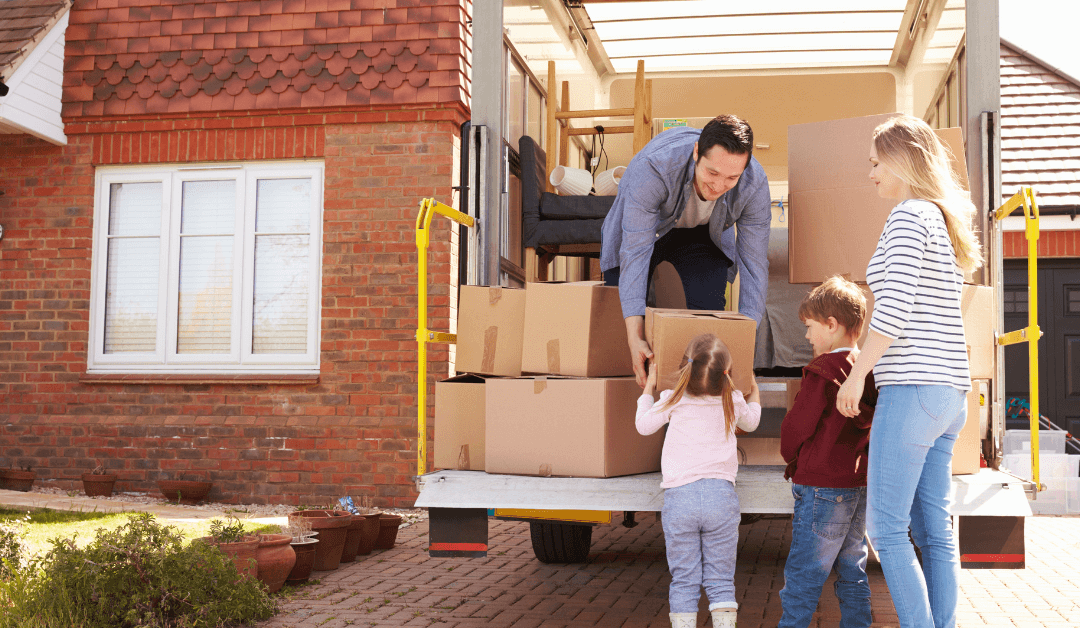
(826, 456)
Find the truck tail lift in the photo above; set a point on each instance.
(990, 505)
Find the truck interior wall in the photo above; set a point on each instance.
(769, 103)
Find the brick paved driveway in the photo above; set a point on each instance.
(625, 584)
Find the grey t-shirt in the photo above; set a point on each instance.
(697, 212)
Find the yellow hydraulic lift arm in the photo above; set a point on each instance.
(1025, 198)
(428, 208)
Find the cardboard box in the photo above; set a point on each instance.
(567, 427)
(836, 215)
(491, 323)
(977, 304)
(659, 125)
(760, 452)
(459, 423)
(575, 329)
(968, 446)
(669, 332)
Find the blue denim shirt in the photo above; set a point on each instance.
(653, 194)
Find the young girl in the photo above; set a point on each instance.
(701, 510)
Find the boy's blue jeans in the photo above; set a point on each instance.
(827, 532)
(909, 484)
(701, 532)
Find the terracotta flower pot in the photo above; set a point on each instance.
(305, 560)
(276, 559)
(369, 533)
(353, 536)
(332, 527)
(98, 485)
(388, 527)
(17, 480)
(242, 553)
(188, 492)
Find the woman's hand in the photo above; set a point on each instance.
(847, 398)
(650, 381)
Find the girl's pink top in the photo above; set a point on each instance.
(696, 445)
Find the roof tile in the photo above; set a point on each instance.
(207, 54)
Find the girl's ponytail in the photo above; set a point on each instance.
(726, 386)
(680, 384)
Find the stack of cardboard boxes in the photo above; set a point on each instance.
(836, 218)
(548, 388)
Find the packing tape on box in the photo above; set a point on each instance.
(494, 294)
(553, 356)
(491, 343)
(463, 463)
(539, 384)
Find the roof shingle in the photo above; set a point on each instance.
(23, 23)
(1040, 130)
(189, 57)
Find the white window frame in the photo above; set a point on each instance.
(240, 359)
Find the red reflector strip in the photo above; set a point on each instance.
(991, 558)
(458, 547)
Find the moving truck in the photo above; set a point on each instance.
(812, 102)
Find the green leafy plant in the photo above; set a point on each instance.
(140, 574)
(12, 546)
(229, 531)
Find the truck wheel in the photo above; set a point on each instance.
(560, 542)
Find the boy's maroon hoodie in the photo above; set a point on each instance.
(821, 446)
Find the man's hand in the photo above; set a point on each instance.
(640, 352)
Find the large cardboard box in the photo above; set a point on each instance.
(977, 304)
(459, 423)
(968, 445)
(491, 322)
(836, 215)
(575, 329)
(567, 427)
(668, 332)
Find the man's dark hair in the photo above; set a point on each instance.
(729, 132)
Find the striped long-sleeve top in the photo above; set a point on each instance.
(917, 284)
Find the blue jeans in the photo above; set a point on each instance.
(909, 482)
(827, 532)
(701, 532)
(702, 266)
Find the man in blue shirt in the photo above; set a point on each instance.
(677, 202)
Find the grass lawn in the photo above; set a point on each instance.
(46, 524)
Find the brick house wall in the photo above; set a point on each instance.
(391, 99)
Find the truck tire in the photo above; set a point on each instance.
(555, 542)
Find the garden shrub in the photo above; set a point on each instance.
(12, 548)
(141, 574)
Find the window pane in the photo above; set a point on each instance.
(135, 209)
(536, 115)
(131, 295)
(283, 206)
(204, 317)
(208, 207)
(515, 103)
(282, 280)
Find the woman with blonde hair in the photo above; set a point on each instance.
(917, 351)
